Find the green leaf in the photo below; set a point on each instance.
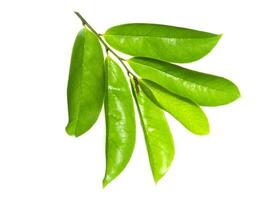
(204, 89)
(120, 121)
(86, 83)
(182, 109)
(168, 43)
(159, 141)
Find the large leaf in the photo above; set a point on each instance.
(204, 89)
(169, 43)
(184, 110)
(120, 121)
(159, 141)
(86, 83)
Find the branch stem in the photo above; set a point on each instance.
(108, 49)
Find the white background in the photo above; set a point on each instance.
(38, 160)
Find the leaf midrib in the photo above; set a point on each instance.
(80, 87)
(146, 36)
(186, 80)
(150, 156)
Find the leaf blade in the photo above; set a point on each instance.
(204, 89)
(158, 137)
(168, 43)
(85, 97)
(184, 110)
(120, 121)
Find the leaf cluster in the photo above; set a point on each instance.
(155, 83)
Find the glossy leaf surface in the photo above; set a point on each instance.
(168, 43)
(159, 141)
(86, 83)
(204, 89)
(120, 121)
(182, 109)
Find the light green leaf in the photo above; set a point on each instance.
(182, 109)
(86, 83)
(120, 121)
(159, 141)
(204, 89)
(168, 43)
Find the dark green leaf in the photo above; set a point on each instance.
(169, 43)
(184, 110)
(120, 121)
(204, 89)
(86, 83)
(159, 141)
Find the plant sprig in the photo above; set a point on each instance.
(158, 85)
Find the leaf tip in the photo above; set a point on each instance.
(158, 177)
(203, 133)
(72, 130)
(202, 130)
(205, 130)
(69, 130)
(105, 182)
(238, 93)
(234, 95)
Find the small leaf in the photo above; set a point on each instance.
(86, 83)
(204, 89)
(159, 141)
(168, 43)
(120, 121)
(182, 109)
